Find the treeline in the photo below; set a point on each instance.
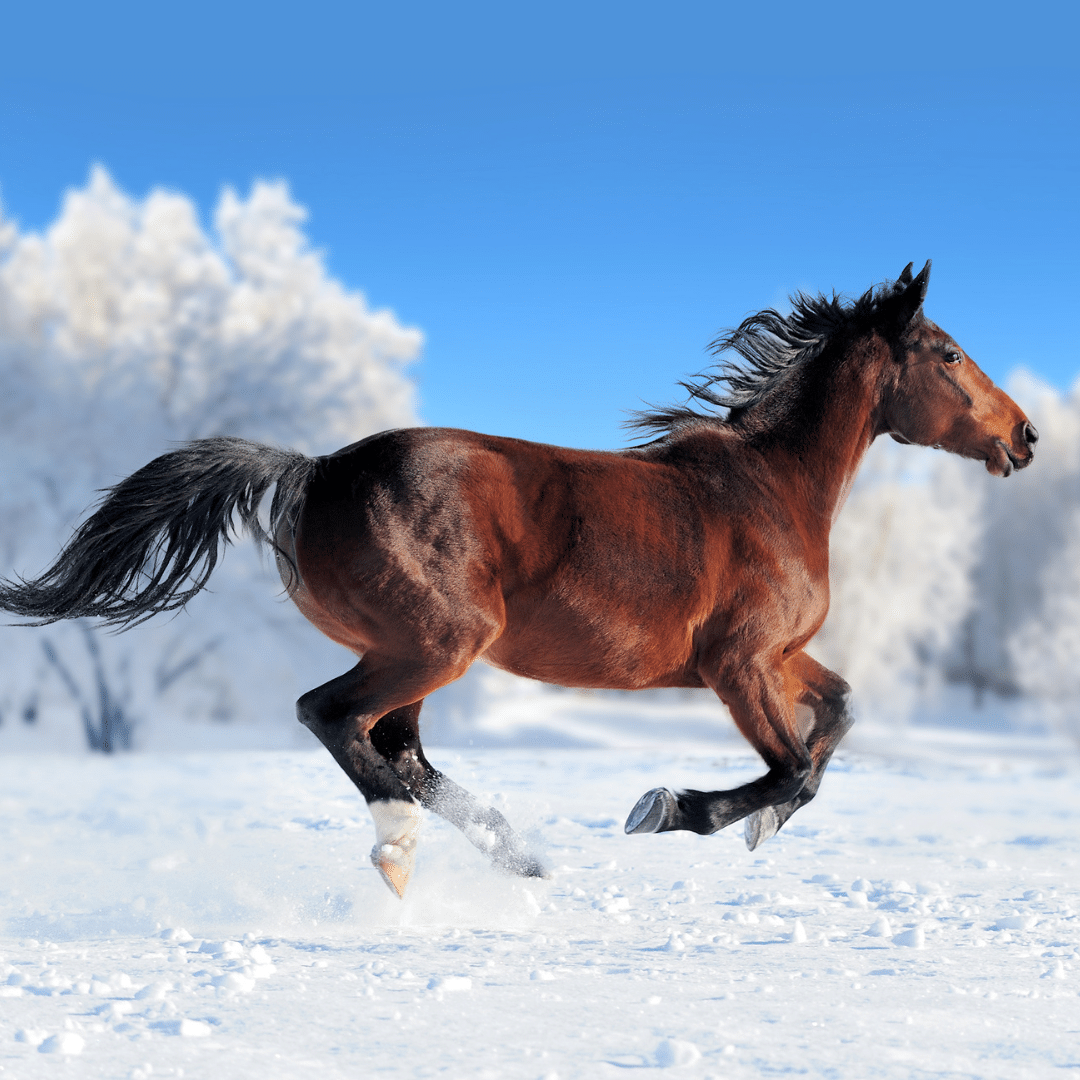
(128, 327)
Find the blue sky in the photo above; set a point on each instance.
(572, 199)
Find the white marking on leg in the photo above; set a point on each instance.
(397, 824)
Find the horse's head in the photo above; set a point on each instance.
(936, 395)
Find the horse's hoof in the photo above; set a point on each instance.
(532, 869)
(527, 866)
(522, 865)
(396, 825)
(654, 812)
(395, 864)
(760, 825)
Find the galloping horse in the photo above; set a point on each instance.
(698, 559)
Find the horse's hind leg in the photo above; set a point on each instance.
(396, 737)
(375, 739)
(829, 697)
(341, 714)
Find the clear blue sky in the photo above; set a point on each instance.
(571, 199)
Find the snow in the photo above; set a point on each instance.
(216, 914)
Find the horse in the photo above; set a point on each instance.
(699, 558)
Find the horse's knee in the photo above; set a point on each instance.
(839, 702)
(840, 691)
(328, 707)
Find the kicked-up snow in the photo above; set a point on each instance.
(216, 915)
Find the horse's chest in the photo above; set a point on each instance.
(780, 590)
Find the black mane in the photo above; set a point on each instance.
(773, 347)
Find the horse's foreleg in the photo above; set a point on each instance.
(396, 737)
(761, 703)
(829, 696)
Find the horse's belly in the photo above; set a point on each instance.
(636, 659)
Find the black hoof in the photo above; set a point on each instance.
(654, 812)
(760, 825)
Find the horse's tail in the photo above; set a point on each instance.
(155, 538)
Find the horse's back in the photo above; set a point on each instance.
(521, 506)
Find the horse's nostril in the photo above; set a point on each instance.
(1031, 436)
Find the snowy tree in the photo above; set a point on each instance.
(124, 328)
(944, 575)
(1028, 522)
(1045, 649)
(1029, 616)
(902, 554)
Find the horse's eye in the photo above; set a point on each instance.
(953, 356)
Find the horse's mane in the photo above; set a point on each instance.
(772, 347)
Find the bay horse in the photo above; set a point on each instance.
(698, 559)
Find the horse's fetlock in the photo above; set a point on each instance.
(790, 785)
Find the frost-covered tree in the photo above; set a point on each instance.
(945, 575)
(902, 554)
(1045, 648)
(1026, 527)
(124, 328)
(1029, 612)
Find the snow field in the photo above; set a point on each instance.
(216, 915)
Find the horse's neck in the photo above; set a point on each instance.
(822, 440)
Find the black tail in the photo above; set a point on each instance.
(155, 539)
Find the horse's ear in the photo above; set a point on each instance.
(911, 299)
(905, 275)
(922, 281)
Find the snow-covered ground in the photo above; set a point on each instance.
(215, 915)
